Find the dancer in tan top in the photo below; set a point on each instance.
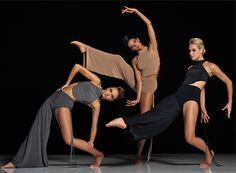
(141, 77)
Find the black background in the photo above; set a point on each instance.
(36, 58)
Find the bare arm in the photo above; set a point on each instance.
(138, 84)
(215, 70)
(204, 116)
(151, 33)
(95, 115)
(89, 75)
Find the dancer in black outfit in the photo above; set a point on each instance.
(188, 97)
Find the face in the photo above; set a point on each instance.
(194, 52)
(134, 44)
(110, 93)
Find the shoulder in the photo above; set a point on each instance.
(134, 60)
(152, 50)
(210, 65)
(97, 84)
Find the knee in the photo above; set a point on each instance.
(189, 139)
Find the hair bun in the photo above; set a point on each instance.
(126, 39)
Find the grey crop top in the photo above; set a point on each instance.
(86, 92)
(196, 73)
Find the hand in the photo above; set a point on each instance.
(228, 109)
(90, 144)
(132, 102)
(64, 86)
(128, 10)
(75, 42)
(204, 117)
(80, 45)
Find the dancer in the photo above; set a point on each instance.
(141, 77)
(32, 152)
(188, 97)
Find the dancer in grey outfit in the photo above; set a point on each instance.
(32, 152)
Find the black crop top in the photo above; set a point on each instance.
(196, 73)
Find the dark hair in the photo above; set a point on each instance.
(121, 93)
(126, 39)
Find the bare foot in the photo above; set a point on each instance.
(138, 160)
(8, 165)
(118, 122)
(207, 170)
(208, 160)
(97, 170)
(98, 161)
(80, 45)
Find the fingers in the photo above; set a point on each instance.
(224, 108)
(205, 118)
(131, 102)
(228, 113)
(90, 145)
(73, 42)
(228, 110)
(127, 10)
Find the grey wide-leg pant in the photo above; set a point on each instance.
(32, 152)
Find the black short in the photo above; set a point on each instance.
(186, 93)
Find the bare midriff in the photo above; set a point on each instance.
(199, 84)
(68, 90)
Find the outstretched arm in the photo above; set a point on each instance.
(151, 33)
(215, 70)
(86, 73)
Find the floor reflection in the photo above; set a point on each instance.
(161, 163)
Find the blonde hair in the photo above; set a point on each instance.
(198, 42)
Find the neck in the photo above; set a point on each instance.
(141, 48)
(200, 59)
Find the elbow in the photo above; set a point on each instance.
(77, 66)
(149, 22)
(230, 83)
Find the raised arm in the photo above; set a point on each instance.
(86, 73)
(215, 70)
(151, 33)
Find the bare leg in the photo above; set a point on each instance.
(64, 121)
(80, 45)
(146, 102)
(190, 113)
